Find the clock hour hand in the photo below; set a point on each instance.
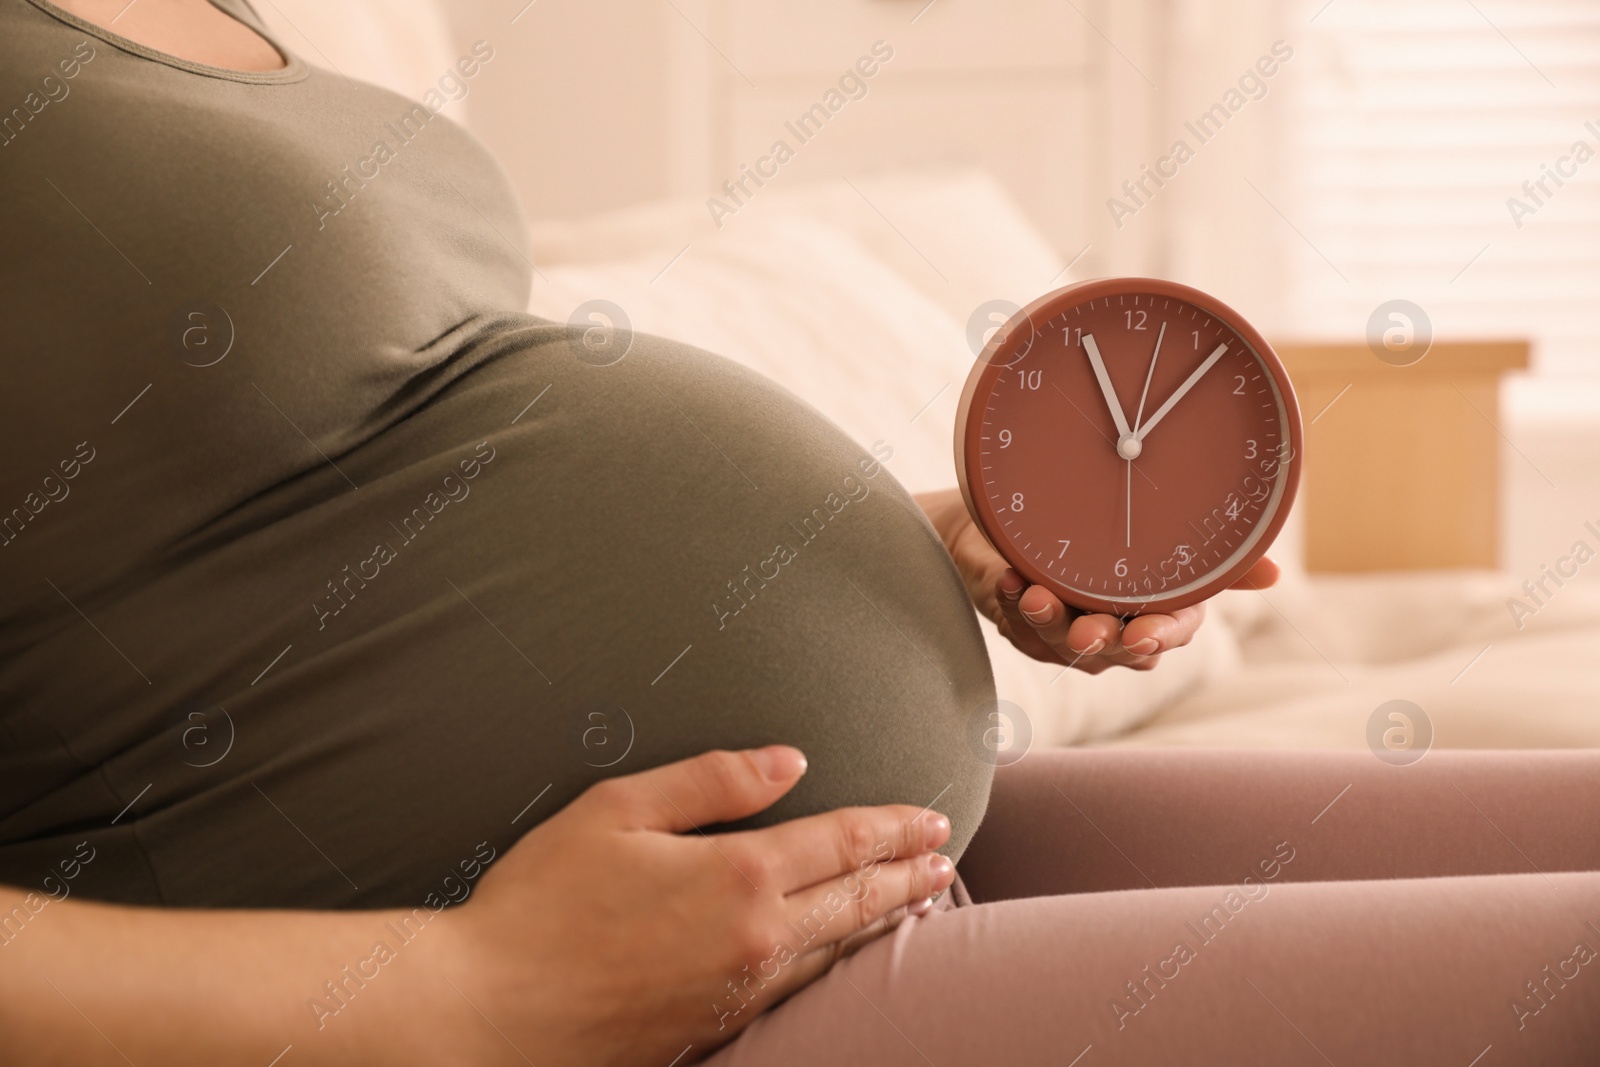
(1104, 379)
(1199, 372)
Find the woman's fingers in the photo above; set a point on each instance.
(1045, 628)
(1095, 640)
(710, 788)
(1150, 634)
(874, 867)
(1068, 633)
(826, 924)
(820, 849)
(1094, 635)
(1008, 589)
(1071, 636)
(836, 909)
(1263, 575)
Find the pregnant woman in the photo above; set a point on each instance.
(388, 679)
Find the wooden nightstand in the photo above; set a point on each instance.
(1402, 463)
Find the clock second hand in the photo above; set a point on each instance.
(1137, 419)
(1129, 542)
(1151, 373)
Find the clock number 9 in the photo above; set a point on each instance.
(1005, 439)
(1016, 501)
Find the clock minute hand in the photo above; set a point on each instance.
(1199, 372)
(1104, 379)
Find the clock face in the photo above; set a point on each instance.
(1131, 444)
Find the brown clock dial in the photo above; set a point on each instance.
(1131, 444)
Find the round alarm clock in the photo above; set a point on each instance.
(1130, 444)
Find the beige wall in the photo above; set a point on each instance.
(572, 103)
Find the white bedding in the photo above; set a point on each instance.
(1314, 675)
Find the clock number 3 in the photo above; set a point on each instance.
(1251, 453)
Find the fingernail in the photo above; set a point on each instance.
(1040, 616)
(1004, 585)
(1099, 643)
(778, 763)
(935, 830)
(942, 870)
(920, 908)
(1145, 647)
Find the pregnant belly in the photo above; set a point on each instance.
(655, 558)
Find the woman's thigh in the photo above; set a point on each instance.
(1087, 820)
(1487, 970)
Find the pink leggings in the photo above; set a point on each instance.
(1140, 906)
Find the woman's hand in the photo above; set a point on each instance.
(615, 933)
(1037, 622)
(612, 933)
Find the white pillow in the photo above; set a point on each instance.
(806, 306)
(955, 236)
